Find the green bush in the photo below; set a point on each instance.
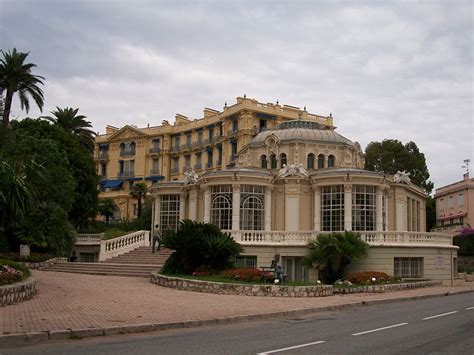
(465, 244)
(33, 258)
(331, 253)
(199, 245)
(9, 276)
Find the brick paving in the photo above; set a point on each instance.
(74, 301)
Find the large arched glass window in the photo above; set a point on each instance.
(282, 160)
(331, 161)
(122, 149)
(332, 208)
(263, 161)
(363, 208)
(321, 161)
(132, 148)
(252, 212)
(169, 212)
(310, 162)
(221, 206)
(273, 161)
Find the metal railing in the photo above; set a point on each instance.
(154, 150)
(127, 173)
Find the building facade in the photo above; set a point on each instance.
(455, 206)
(295, 178)
(164, 153)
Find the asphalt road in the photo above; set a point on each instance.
(442, 325)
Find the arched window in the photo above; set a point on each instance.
(282, 160)
(122, 149)
(252, 207)
(221, 206)
(263, 160)
(273, 161)
(320, 161)
(132, 148)
(331, 161)
(310, 162)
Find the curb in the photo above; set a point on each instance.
(77, 334)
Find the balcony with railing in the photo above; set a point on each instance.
(175, 149)
(232, 132)
(154, 171)
(154, 150)
(127, 173)
(373, 238)
(103, 155)
(127, 153)
(186, 146)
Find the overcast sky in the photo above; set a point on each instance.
(399, 70)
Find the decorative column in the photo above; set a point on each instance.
(378, 209)
(192, 204)
(235, 207)
(182, 206)
(268, 208)
(400, 210)
(348, 207)
(317, 208)
(207, 205)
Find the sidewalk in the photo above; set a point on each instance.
(75, 301)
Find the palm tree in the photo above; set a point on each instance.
(332, 253)
(107, 208)
(139, 191)
(75, 124)
(15, 75)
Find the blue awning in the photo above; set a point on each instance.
(113, 183)
(155, 177)
(134, 179)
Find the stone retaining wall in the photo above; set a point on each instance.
(241, 289)
(17, 292)
(43, 264)
(387, 288)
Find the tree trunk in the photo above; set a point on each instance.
(139, 206)
(7, 109)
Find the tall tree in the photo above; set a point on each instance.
(391, 155)
(106, 208)
(75, 124)
(139, 191)
(16, 76)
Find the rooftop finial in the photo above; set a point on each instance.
(277, 102)
(225, 104)
(245, 96)
(305, 108)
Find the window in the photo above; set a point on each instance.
(262, 125)
(252, 207)
(199, 137)
(451, 202)
(176, 142)
(135, 210)
(273, 161)
(331, 161)
(332, 208)
(219, 155)
(441, 204)
(198, 162)
(209, 158)
(211, 135)
(221, 206)
(408, 267)
(187, 162)
(363, 208)
(169, 212)
(155, 167)
(282, 160)
(246, 261)
(310, 161)
(103, 170)
(460, 199)
(263, 161)
(127, 168)
(235, 126)
(321, 161)
(175, 166)
(127, 149)
(233, 148)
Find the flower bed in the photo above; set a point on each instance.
(241, 289)
(17, 292)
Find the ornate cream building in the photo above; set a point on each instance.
(274, 177)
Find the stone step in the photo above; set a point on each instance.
(105, 266)
(105, 272)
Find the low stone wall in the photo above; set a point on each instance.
(387, 288)
(241, 289)
(17, 292)
(43, 264)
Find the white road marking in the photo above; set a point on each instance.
(378, 329)
(292, 347)
(467, 309)
(440, 315)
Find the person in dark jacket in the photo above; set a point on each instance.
(156, 238)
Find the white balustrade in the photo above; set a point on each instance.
(374, 238)
(89, 239)
(121, 245)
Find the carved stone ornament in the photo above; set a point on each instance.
(402, 177)
(243, 159)
(190, 177)
(292, 170)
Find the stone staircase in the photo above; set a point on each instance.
(139, 262)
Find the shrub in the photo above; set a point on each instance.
(199, 245)
(331, 253)
(365, 277)
(33, 258)
(11, 272)
(465, 241)
(246, 275)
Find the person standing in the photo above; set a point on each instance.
(156, 238)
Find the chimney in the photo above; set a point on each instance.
(466, 176)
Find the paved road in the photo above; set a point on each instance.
(436, 325)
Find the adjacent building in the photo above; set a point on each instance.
(455, 206)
